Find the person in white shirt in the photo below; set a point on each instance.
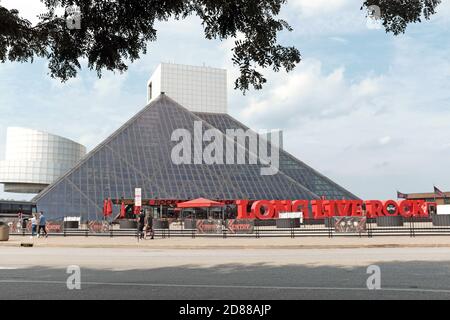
(33, 225)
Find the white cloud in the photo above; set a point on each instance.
(325, 17)
(318, 7)
(308, 93)
(311, 18)
(385, 140)
(110, 84)
(442, 15)
(374, 133)
(339, 39)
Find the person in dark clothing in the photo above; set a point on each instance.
(141, 224)
(149, 225)
(42, 225)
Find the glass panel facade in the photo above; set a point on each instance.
(139, 155)
(289, 165)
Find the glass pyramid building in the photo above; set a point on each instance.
(138, 155)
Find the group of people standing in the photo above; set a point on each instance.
(145, 225)
(38, 224)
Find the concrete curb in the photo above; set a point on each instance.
(229, 247)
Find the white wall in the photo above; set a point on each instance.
(37, 157)
(155, 80)
(200, 89)
(443, 209)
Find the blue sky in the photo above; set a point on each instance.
(366, 108)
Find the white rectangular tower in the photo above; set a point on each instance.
(199, 89)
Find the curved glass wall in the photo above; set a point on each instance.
(35, 159)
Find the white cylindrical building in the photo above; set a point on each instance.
(35, 159)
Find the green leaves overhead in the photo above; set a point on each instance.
(113, 32)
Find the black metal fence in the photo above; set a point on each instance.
(397, 226)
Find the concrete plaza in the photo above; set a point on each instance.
(233, 242)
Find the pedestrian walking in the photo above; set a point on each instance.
(149, 225)
(42, 225)
(21, 224)
(33, 225)
(141, 224)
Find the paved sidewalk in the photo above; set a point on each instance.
(234, 243)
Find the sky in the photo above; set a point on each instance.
(369, 110)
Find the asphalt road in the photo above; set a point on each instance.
(41, 273)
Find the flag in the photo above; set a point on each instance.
(122, 210)
(401, 195)
(439, 193)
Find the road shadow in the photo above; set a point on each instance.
(399, 280)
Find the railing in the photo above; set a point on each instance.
(411, 227)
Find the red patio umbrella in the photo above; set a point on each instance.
(200, 203)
